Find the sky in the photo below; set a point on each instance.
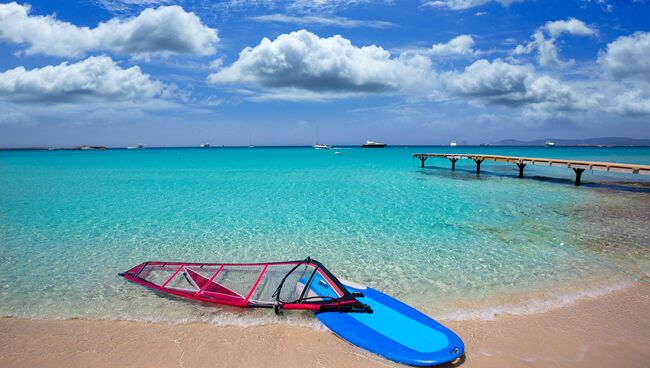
(182, 73)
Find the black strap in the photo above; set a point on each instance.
(276, 294)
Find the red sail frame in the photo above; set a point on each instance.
(208, 290)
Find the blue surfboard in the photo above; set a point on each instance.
(394, 330)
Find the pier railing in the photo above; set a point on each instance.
(578, 166)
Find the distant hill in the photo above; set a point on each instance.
(604, 141)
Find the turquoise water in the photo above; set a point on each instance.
(453, 244)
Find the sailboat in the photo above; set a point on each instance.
(250, 142)
(320, 145)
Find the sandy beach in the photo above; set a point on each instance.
(604, 332)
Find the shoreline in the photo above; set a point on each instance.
(595, 332)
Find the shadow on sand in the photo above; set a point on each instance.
(456, 363)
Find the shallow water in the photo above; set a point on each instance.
(451, 244)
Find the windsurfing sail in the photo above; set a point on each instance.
(300, 285)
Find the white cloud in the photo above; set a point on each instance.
(322, 20)
(542, 96)
(124, 6)
(628, 57)
(547, 51)
(93, 79)
(605, 5)
(165, 30)
(320, 6)
(490, 79)
(302, 60)
(461, 45)
(631, 102)
(571, 26)
(466, 4)
(508, 84)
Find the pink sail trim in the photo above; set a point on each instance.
(283, 285)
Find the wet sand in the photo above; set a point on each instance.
(610, 331)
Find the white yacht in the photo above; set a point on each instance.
(549, 144)
(452, 144)
(373, 144)
(205, 145)
(137, 146)
(321, 146)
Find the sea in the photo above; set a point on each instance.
(454, 244)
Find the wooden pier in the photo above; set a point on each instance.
(578, 166)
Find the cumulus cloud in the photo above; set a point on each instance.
(165, 30)
(466, 4)
(542, 96)
(461, 45)
(94, 79)
(631, 102)
(509, 84)
(571, 26)
(302, 60)
(628, 57)
(547, 51)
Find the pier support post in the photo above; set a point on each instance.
(453, 163)
(521, 169)
(478, 166)
(422, 159)
(578, 175)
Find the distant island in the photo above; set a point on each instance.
(604, 141)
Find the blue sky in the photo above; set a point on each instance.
(167, 73)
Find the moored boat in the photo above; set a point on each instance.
(321, 146)
(91, 148)
(205, 145)
(137, 146)
(373, 144)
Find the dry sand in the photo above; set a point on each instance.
(610, 331)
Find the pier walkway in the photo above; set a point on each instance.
(578, 166)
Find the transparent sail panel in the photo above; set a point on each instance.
(292, 287)
(235, 281)
(157, 274)
(205, 272)
(185, 280)
(321, 289)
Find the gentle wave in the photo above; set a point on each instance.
(534, 306)
(306, 320)
(221, 320)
